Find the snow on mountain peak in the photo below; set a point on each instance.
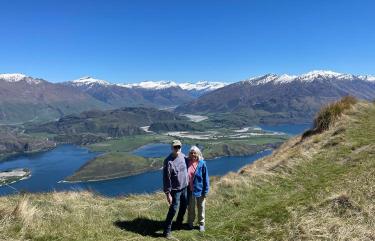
(12, 77)
(264, 79)
(87, 80)
(16, 77)
(308, 77)
(199, 86)
(151, 85)
(202, 86)
(312, 75)
(369, 78)
(286, 78)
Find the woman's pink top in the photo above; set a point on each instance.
(191, 172)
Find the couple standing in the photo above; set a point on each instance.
(186, 184)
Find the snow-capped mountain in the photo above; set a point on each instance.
(24, 98)
(89, 81)
(146, 93)
(11, 78)
(158, 94)
(285, 96)
(156, 85)
(202, 86)
(308, 77)
(367, 78)
(282, 97)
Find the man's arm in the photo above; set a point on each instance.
(167, 186)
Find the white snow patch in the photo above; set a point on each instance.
(308, 77)
(285, 78)
(312, 75)
(202, 85)
(151, 85)
(367, 78)
(87, 80)
(17, 77)
(199, 86)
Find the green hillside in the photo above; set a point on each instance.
(14, 141)
(95, 126)
(320, 187)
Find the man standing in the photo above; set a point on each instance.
(175, 182)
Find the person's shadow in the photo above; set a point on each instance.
(142, 226)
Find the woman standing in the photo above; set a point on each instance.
(198, 187)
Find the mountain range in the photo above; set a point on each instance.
(282, 98)
(159, 94)
(23, 98)
(268, 98)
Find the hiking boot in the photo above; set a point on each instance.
(190, 226)
(167, 235)
(201, 228)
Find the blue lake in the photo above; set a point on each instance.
(290, 129)
(49, 168)
(157, 150)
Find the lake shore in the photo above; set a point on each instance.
(107, 166)
(12, 176)
(7, 156)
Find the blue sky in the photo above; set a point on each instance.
(131, 41)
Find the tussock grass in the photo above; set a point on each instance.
(309, 190)
(329, 114)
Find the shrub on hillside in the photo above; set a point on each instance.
(329, 114)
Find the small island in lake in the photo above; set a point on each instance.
(11, 176)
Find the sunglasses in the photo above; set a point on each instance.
(176, 147)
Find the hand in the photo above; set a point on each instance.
(169, 198)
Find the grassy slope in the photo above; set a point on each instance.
(318, 189)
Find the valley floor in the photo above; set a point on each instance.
(321, 188)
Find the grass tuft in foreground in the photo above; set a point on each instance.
(329, 114)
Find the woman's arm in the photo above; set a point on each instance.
(206, 179)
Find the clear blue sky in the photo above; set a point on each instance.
(224, 40)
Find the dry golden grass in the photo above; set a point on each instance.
(329, 114)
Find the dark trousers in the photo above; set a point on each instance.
(179, 198)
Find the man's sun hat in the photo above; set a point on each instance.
(176, 143)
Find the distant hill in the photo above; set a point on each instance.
(273, 98)
(23, 98)
(316, 188)
(93, 126)
(14, 141)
